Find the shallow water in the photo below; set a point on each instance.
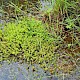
(46, 5)
(17, 71)
(22, 71)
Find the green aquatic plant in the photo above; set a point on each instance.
(27, 39)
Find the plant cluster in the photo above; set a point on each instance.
(34, 41)
(27, 39)
(63, 23)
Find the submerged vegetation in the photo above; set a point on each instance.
(50, 38)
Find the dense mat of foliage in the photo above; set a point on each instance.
(26, 39)
(29, 40)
